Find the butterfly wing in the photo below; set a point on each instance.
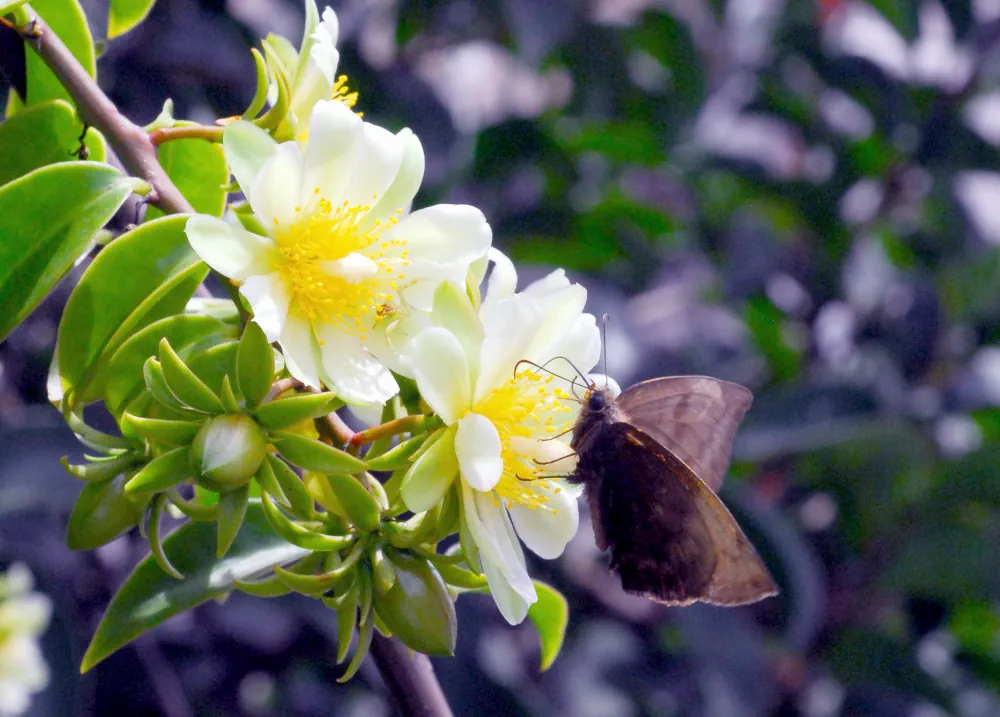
(694, 417)
(670, 537)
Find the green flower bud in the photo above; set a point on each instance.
(417, 608)
(227, 452)
(103, 512)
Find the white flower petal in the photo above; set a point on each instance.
(496, 524)
(389, 340)
(551, 282)
(230, 250)
(404, 187)
(331, 152)
(301, 351)
(268, 298)
(560, 308)
(580, 342)
(511, 604)
(354, 267)
(503, 278)
(547, 529)
(380, 154)
(324, 49)
(442, 372)
(510, 328)
(247, 148)
(275, 192)
(477, 446)
(442, 240)
(348, 368)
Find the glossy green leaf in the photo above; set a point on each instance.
(213, 364)
(47, 220)
(432, 473)
(124, 374)
(144, 275)
(228, 397)
(254, 365)
(286, 412)
(156, 542)
(152, 374)
(102, 513)
(550, 613)
(169, 433)
(67, 20)
(292, 486)
(161, 473)
(198, 168)
(298, 535)
(44, 134)
(232, 511)
(398, 456)
(417, 608)
(315, 456)
(149, 596)
(126, 14)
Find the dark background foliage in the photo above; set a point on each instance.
(802, 197)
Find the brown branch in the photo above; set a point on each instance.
(129, 141)
(410, 678)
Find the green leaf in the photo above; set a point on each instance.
(551, 615)
(149, 596)
(67, 20)
(315, 456)
(294, 490)
(170, 433)
(254, 365)
(144, 275)
(198, 168)
(102, 513)
(126, 14)
(47, 220)
(359, 505)
(124, 374)
(286, 412)
(44, 134)
(430, 476)
(296, 534)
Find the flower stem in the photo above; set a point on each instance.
(167, 134)
(406, 424)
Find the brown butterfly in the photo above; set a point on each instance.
(650, 462)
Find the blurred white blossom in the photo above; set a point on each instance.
(24, 615)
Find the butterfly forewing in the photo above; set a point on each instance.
(694, 417)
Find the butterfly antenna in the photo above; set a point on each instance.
(604, 345)
(540, 368)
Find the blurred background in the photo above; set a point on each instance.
(803, 197)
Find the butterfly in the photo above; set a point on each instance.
(650, 462)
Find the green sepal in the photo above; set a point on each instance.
(161, 473)
(397, 457)
(232, 510)
(296, 534)
(273, 586)
(193, 510)
(413, 531)
(299, 499)
(468, 543)
(432, 473)
(103, 511)
(91, 437)
(102, 470)
(269, 484)
(263, 84)
(366, 631)
(315, 456)
(272, 118)
(418, 609)
(346, 617)
(323, 582)
(254, 365)
(383, 572)
(184, 384)
(360, 507)
(285, 412)
(169, 433)
(152, 374)
(448, 516)
(460, 577)
(321, 491)
(228, 398)
(380, 625)
(365, 597)
(155, 543)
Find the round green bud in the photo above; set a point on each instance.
(417, 607)
(227, 451)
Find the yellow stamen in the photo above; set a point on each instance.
(343, 94)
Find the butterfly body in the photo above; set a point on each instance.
(649, 461)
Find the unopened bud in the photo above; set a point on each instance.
(227, 452)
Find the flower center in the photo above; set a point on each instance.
(524, 410)
(337, 268)
(342, 94)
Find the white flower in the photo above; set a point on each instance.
(23, 616)
(503, 428)
(310, 72)
(331, 250)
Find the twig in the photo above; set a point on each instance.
(410, 679)
(167, 134)
(129, 141)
